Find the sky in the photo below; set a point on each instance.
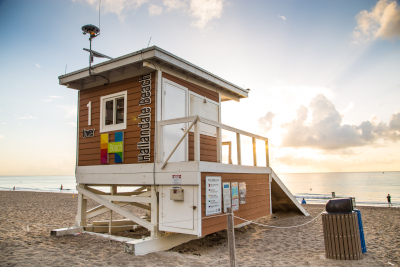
(323, 75)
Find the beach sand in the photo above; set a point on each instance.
(255, 245)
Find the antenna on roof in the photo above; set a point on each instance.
(94, 31)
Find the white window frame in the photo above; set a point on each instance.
(114, 127)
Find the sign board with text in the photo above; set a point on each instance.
(226, 191)
(213, 195)
(235, 196)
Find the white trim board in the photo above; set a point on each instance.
(171, 167)
(137, 179)
(142, 173)
(148, 245)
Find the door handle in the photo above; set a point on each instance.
(183, 129)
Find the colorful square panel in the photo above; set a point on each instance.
(119, 136)
(119, 157)
(117, 148)
(104, 156)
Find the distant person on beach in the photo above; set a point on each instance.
(303, 201)
(14, 188)
(61, 188)
(389, 199)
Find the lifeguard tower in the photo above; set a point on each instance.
(152, 120)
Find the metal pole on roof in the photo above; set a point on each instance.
(90, 56)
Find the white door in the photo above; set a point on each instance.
(177, 214)
(174, 106)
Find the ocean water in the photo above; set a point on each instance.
(368, 188)
(39, 183)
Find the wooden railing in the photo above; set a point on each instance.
(194, 123)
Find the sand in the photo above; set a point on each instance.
(255, 245)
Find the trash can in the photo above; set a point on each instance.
(341, 230)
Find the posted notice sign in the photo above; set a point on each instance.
(213, 195)
(235, 196)
(226, 192)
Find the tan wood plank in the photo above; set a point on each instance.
(345, 239)
(340, 235)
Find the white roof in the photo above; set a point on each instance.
(149, 59)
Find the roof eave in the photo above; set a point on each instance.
(159, 55)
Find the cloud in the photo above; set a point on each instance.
(37, 65)
(70, 124)
(348, 108)
(383, 21)
(265, 122)
(205, 10)
(26, 117)
(325, 130)
(292, 159)
(282, 17)
(174, 4)
(70, 111)
(118, 7)
(155, 10)
(52, 97)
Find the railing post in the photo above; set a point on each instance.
(239, 149)
(219, 145)
(196, 141)
(266, 153)
(254, 152)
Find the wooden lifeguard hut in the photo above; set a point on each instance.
(152, 120)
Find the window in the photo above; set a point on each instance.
(113, 112)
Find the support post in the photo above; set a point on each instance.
(239, 149)
(231, 238)
(196, 141)
(254, 152)
(82, 207)
(154, 213)
(219, 145)
(266, 153)
(113, 190)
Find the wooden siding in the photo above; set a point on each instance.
(257, 200)
(192, 87)
(208, 148)
(89, 148)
